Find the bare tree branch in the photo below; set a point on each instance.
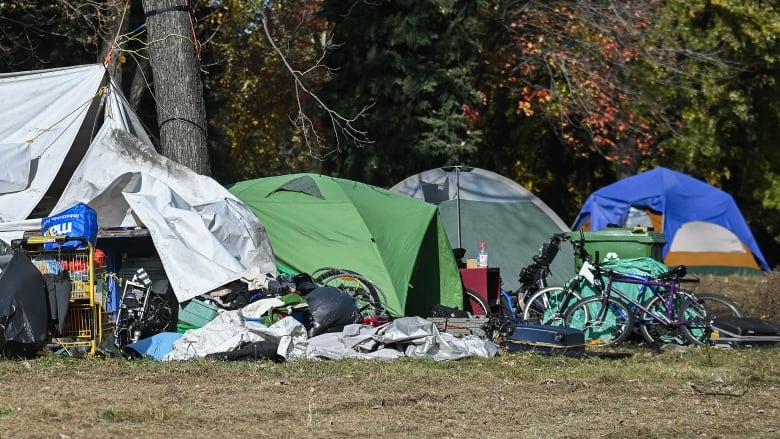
(343, 127)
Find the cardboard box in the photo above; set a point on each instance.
(471, 263)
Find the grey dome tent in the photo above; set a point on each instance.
(479, 205)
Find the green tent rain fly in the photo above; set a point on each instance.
(399, 243)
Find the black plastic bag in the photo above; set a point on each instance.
(330, 309)
(23, 307)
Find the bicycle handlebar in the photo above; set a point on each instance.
(581, 252)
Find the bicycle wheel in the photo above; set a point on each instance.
(370, 298)
(157, 317)
(604, 322)
(720, 306)
(698, 321)
(474, 304)
(652, 330)
(320, 274)
(547, 306)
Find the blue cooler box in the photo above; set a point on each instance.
(546, 339)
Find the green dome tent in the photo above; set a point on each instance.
(399, 243)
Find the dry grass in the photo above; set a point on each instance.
(519, 395)
(644, 395)
(758, 296)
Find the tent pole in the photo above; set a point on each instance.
(457, 201)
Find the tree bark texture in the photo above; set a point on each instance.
(178, 89)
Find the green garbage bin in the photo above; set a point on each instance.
(620, 243)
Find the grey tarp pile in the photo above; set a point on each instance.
(413, 337)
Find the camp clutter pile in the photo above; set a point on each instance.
(48, 286)
(336, 314)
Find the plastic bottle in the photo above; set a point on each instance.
(482, 256)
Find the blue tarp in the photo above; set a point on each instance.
(156, 346)
(679, 197)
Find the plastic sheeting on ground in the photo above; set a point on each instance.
(231, 329)
(413, 337)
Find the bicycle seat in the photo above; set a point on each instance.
(674, 273)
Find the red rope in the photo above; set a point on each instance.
(116, 37)
(192, 27)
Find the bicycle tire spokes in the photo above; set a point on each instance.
(677, 317)
(696, 321)
(369, 297)
(604, 322)
(548, 306)
(656, 331)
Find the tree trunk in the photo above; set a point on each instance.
(181, 111)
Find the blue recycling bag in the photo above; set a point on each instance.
(77, 221)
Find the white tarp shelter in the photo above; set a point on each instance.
(69, 136)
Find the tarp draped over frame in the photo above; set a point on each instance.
(86, 145)
(45, 110)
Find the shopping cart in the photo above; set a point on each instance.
(83, 329)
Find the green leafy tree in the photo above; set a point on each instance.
(726, 102)
(585, 92)
(564, 84)
(411, 60)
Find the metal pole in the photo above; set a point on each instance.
(457, 201)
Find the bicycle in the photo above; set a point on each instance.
(532, 278)
(370, 298)
(671, 314)
(550, 306)
(539, 305)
